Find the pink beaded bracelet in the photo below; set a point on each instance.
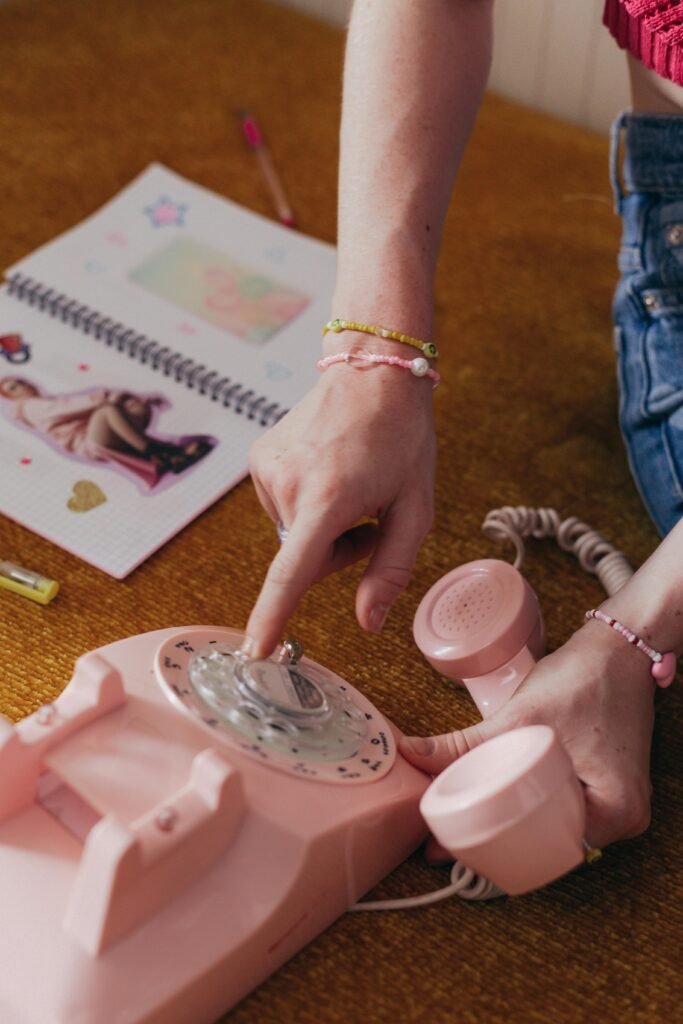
(419, 367)
(664, 665)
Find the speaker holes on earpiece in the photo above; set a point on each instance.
(466, 605)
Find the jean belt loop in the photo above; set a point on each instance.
(615, 139)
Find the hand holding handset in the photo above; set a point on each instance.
(512, 809)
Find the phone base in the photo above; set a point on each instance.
(157, 872)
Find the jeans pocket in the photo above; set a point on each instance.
(662, 350)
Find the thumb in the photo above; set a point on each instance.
(431, 754)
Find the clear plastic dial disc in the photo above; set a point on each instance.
(298, 717)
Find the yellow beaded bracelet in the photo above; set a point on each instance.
(427, 348)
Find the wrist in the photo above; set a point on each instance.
(651, 602)
(649, 613)
(612, 656)
(406, 308)
(384, 336)
(362, 341)
(393, 389)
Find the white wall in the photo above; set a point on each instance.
(554, 55)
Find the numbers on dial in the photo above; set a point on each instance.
(275, 740)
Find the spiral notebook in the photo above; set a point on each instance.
(141, 354)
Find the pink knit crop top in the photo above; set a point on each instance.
(652, 30)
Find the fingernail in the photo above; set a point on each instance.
(423, 746)
(377, 617)
(247, 646)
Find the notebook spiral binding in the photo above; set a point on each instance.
(183, 369)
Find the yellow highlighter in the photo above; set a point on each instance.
(27, 583)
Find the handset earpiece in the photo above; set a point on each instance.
(481, 625)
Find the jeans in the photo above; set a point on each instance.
(648, 307)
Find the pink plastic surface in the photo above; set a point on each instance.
(492, 690)
(476, 618)
(481, 625)
(511, 809)
(153, 872)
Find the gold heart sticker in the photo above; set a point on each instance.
(86, 496)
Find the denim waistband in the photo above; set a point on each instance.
(653, 156)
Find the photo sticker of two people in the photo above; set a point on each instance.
(105, 426)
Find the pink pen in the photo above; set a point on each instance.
(255, 141)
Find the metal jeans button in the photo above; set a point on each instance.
(674, 234)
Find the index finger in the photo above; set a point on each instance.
(296, 565)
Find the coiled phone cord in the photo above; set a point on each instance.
(594, 553)
(597, 557)
(464, 883)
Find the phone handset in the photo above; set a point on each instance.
(511, 811)
(481, 625)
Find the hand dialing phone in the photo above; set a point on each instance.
(181, 821)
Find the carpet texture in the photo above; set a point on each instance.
(91, 93)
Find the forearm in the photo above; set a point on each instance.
(413, 80)
(651, 603)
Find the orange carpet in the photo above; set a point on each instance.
(91, 93)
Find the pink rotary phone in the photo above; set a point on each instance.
(181, 821)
